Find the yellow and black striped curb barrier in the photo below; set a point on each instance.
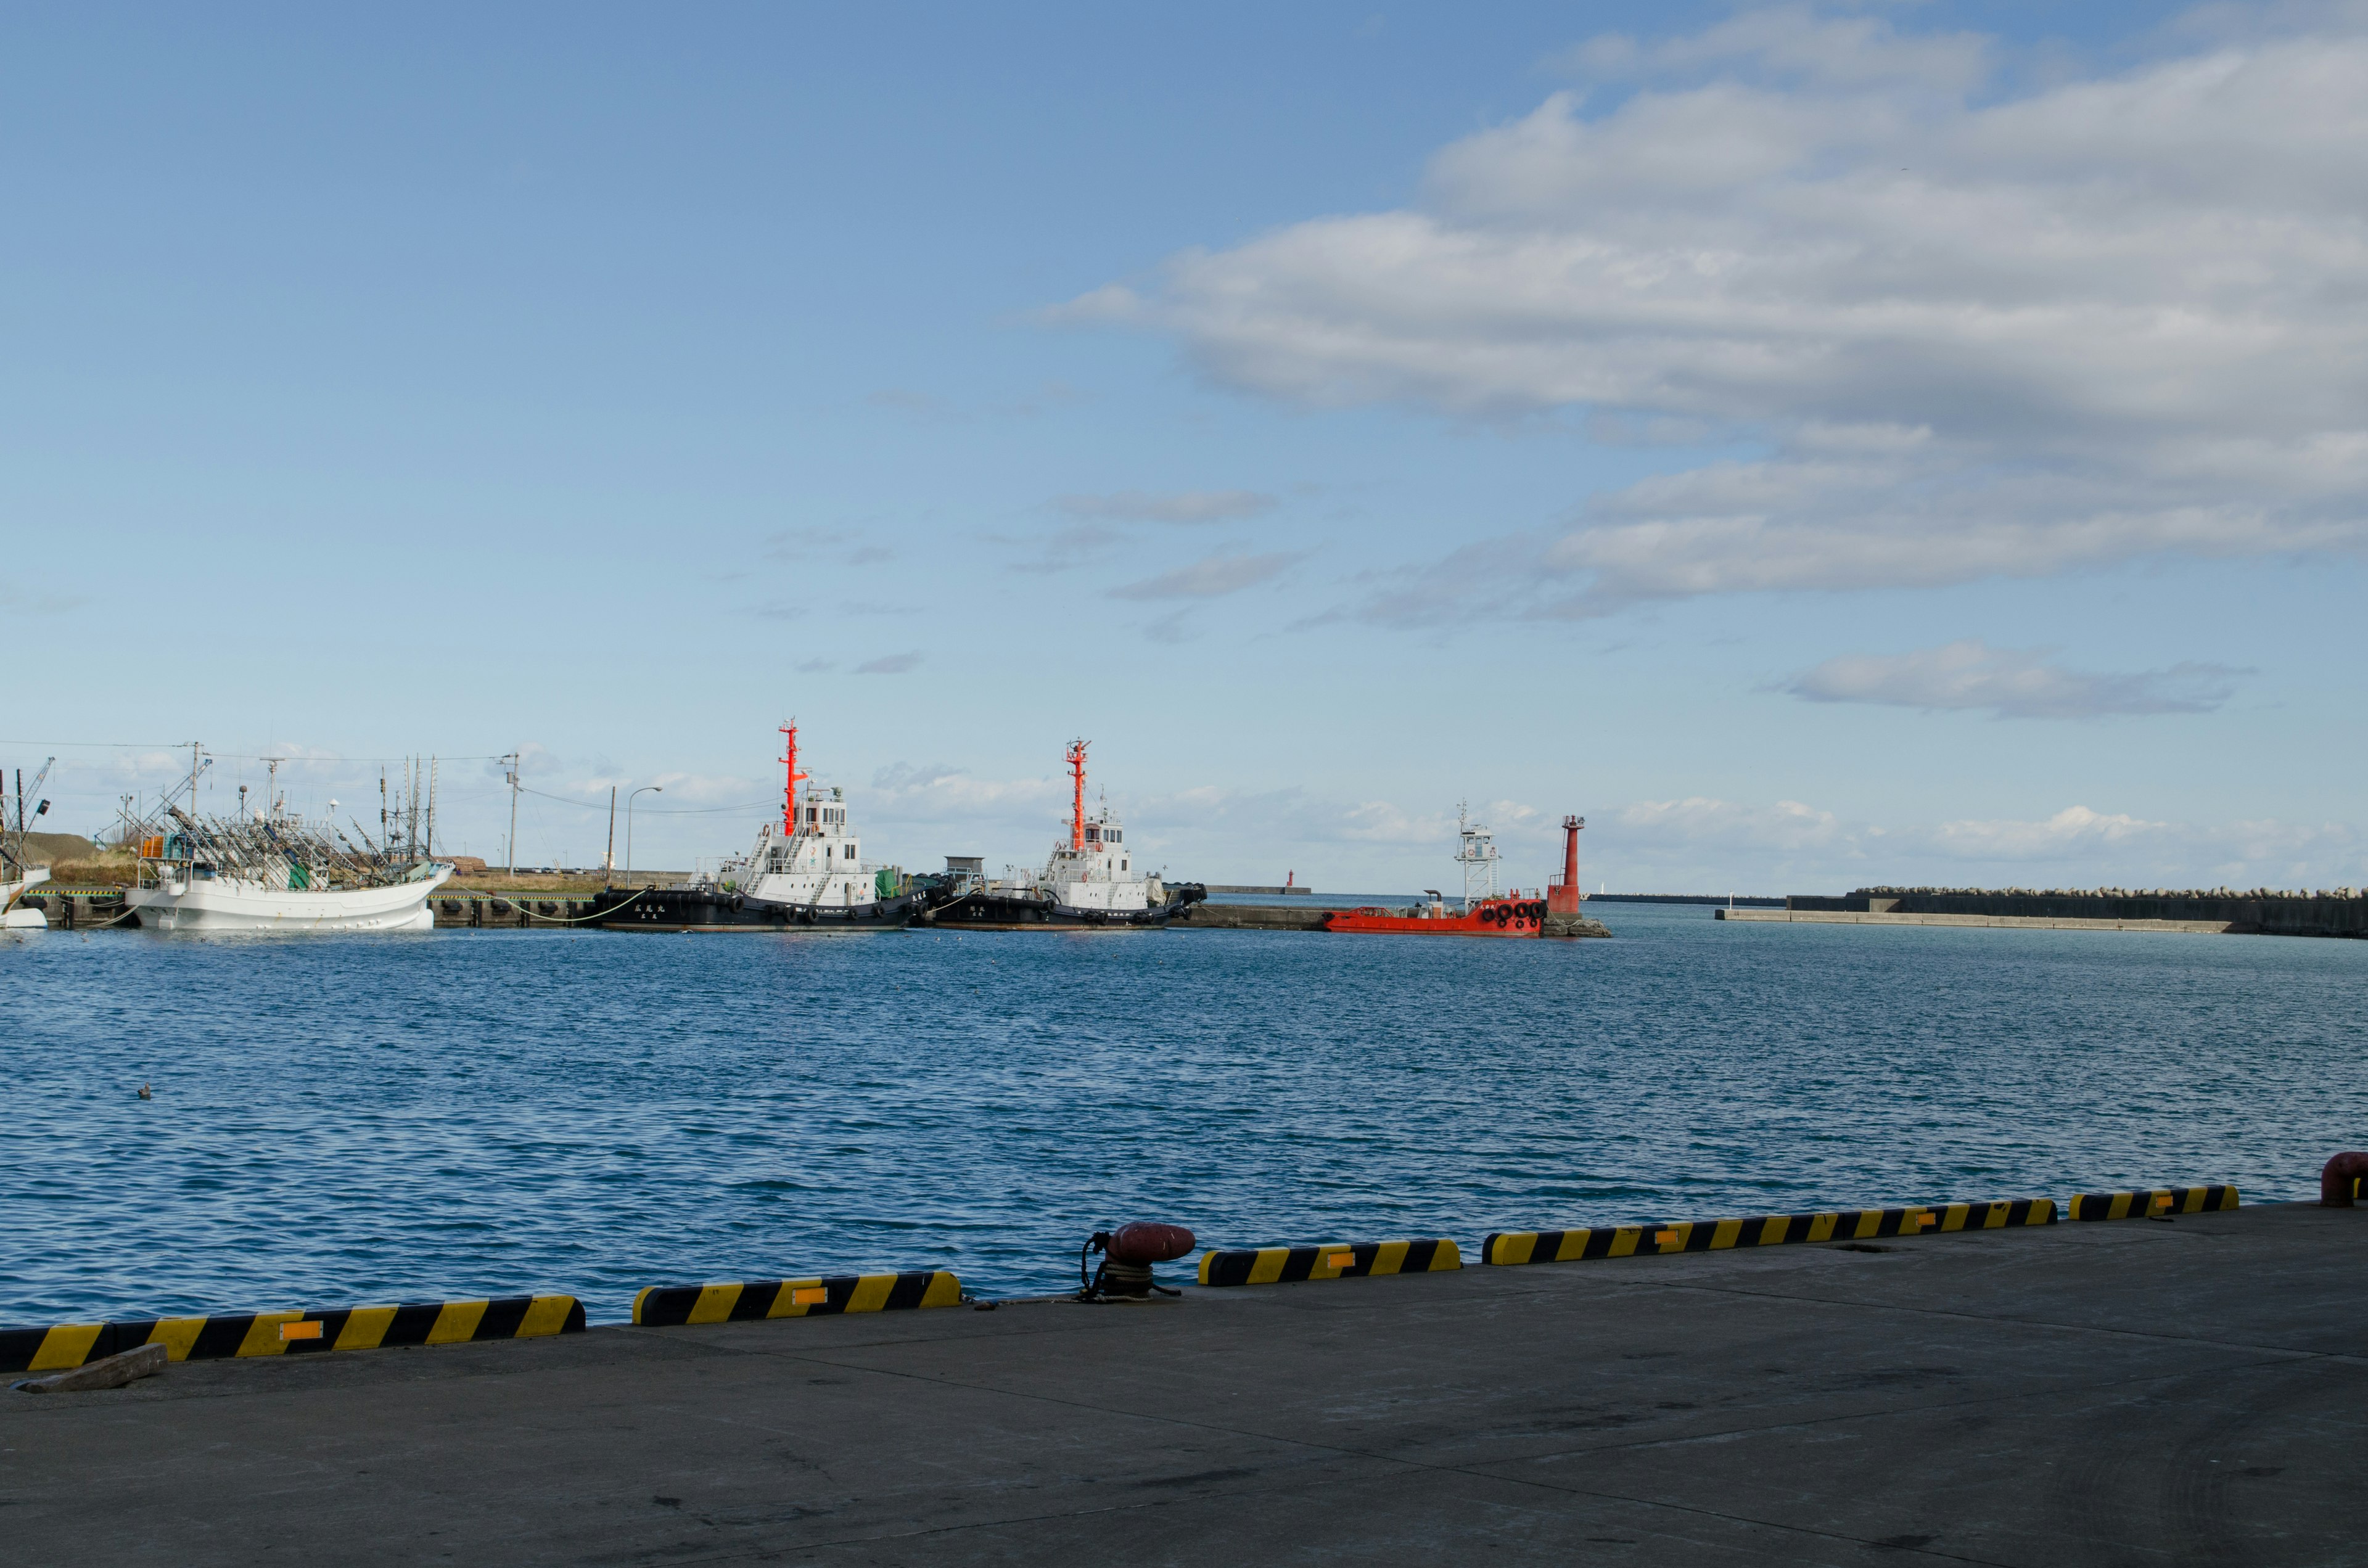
(1348, 1260)
(670, 1306)
(2153, 1203)
(292, 1333)
(1508, 1247)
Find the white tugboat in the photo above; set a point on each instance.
(1090, 879)
(272, 871)
(805, 871)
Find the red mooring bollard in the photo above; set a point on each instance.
(2334, 1178)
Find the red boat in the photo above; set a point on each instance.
(1485, 912)
(1509, 916)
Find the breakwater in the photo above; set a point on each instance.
(1739, 901)
(2343, 914)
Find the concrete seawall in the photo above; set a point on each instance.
(2127, 1392)
(2016, 922)
(2237, 914)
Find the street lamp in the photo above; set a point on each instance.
(645, 789)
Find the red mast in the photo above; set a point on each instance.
(789, 790)
(1077, 806)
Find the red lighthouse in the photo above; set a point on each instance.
(1564, 896)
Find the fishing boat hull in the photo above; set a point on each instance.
(16, 918)
(227, 905)
(1491, 917)
(714, 909)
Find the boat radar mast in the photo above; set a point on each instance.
(790, 789)
(1478, 856)
(1077, 802)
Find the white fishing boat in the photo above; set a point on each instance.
(197, 897)
(16, 876)
(17, 918)
(273, 872)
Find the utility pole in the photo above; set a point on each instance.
(512, 761)
(431, 808)
(609, 865)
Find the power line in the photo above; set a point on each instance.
(655, 811)
(225, 756)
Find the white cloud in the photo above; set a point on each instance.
(1975, 335)
(890, 664)
(905, 793)
(1711, 845)
(1211, 577)
(685, 792)
(2010, 683)
(854, 547)
(2075, 830)
(1175, 507)
(17, 600)
(1787, 828)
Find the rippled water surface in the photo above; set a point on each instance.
(342, 1119)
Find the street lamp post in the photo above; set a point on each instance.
(645, 789)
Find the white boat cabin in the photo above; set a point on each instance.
(821, 862)
(1097, 873)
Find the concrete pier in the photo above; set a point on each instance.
(1999, 922)
(2123, 1393)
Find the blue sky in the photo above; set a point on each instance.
(1823, 447)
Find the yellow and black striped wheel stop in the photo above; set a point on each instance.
(224, 1334)
(670, 1306)
(2154, 1202)
(1508, 1247)
(1347, 1260)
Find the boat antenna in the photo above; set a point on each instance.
(1077, 802)
(790, 785)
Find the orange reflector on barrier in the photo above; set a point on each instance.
(809, 1296)
(1341, 1260)
(289, 1331)
(1663, 1238)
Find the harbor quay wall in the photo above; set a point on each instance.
(2183, 1392)
(1249, 917)
(1269, 917)
(2239, 914)
(97, 910)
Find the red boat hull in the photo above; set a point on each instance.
(1491, 917)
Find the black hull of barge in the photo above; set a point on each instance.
(702, 909)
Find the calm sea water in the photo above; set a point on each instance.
(347, 1119)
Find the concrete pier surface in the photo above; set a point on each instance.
(2133, 1391)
